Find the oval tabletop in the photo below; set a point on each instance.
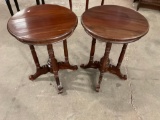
(116, 24)
(42, 24)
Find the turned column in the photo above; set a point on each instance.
(65, 51)
(104, 61)
(121, 56)
(54, 66)
(34, 55)
(92, 50)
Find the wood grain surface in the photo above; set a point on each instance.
(42, 24)
(116, 24)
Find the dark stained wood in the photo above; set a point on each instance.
(54, 66)
(43, 1)
(35, 58)
(51, 24)
(111, 23)
(39, 70)
(87, 4)
(104, 61)
(122, 55)
(153, 4)
(38, 2)
(91, 63)
(27, 26)
(70, 4)
(66, 64)
(102, 3)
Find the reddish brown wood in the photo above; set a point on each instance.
(115, 24)
(112, 24)
(91, 63)
(66, 64)
(104, 61)
(116, 69)
(28, 28)
(35, 58)
(70, 4)
(153, 4)
(54, 66)
(121, 56)
(51, 24)
(39, 70)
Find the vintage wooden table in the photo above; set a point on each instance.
(112, 24)
(44, 25)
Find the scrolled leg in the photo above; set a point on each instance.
(66, 64)
(54, 66)
(116, 69)
(39, 70)
(91, 63)
(104, 61)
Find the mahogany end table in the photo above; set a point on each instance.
(112, 24)
(44, 25)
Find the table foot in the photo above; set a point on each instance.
(42, 70)
(114, 70)
(66, 65)
(94, 65)
(60, 89)
(97, 88)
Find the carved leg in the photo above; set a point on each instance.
(66, 64)
(39, 70)
(91, 64)
(116, 69)
(104, 61)
(54, 66)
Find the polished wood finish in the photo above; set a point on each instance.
(104, 61)
(112, 24)
(28, 28)
(153, 4)
(54, 66)
(102, 22)
(39, 69)
(51, 24)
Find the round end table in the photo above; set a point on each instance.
(44, 25)
(112, 24)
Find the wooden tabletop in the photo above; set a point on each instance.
(115, 24)
(42, 24)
